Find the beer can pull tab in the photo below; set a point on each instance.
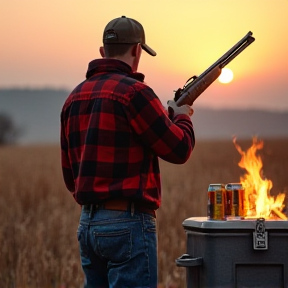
(260, 236)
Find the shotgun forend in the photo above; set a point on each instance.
(196, 85)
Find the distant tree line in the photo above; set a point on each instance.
(9, 132)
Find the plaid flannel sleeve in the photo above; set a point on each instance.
(66, 168)
(173, 141)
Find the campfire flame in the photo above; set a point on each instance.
(257, 200)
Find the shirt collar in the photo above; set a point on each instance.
(114, 66)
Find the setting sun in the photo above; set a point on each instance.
(226, 76)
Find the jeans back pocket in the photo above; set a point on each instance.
(114, 246)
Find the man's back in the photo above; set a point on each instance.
(107, 156)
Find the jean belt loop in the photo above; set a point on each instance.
(91, 211)
(132, 209)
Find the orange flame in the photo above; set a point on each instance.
(257, 201)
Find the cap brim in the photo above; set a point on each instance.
(148, 49)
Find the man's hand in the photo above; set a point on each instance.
(174, 110)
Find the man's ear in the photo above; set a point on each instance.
(136, 50)
(102, 52)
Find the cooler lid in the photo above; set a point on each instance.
(202, 223)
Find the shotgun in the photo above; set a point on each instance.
(196, 85)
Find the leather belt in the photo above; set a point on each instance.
(119, 205)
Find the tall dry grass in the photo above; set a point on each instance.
(38, 217)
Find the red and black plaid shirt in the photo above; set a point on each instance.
(113, 129)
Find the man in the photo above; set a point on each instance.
(113, 129)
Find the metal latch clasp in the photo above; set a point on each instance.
(260, 236)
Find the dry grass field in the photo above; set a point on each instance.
(39, 218)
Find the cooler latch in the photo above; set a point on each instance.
(260, 236)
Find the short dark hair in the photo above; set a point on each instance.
(113, 50)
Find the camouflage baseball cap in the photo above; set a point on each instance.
(126, 31)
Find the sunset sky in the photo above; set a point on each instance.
(50, 43)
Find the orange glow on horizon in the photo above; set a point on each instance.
(46, 46)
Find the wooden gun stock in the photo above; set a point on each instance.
(195, 86)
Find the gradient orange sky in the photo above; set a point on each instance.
(50, 43)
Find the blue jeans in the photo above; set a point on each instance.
(118, 249)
